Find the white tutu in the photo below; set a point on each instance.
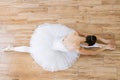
(48, 51)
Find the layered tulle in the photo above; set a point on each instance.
(42, 51)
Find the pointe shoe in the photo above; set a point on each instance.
(8, 48)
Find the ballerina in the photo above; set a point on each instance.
(56, 47)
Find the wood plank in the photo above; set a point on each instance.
(19, 19)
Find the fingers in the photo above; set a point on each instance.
(111, 47)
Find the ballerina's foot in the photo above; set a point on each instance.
(7, 48)
(112, 44)
(111, 47)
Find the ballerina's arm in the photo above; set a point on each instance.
(98, 37)
(107, 41)
(83, 33)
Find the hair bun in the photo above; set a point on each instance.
(91, 40)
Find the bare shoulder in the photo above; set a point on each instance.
(72, 41)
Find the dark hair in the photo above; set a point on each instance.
(91, 40)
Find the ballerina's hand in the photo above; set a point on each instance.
(111, 47)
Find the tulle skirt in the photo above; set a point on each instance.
(41, 47)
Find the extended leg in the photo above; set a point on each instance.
(108, 46)
(19, 49)
(84, 51)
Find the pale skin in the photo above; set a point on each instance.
(73, 40)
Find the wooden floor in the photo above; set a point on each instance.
(19, 18)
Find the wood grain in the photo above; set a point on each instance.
(19, 18)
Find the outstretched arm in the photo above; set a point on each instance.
(98, 37)
(82, 33)
(107, 41)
